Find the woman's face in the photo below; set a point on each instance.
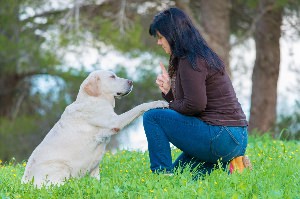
(161, 41)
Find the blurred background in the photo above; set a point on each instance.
(47, 48)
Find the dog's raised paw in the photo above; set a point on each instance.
(162, 104)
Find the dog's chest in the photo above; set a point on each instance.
(100, 139)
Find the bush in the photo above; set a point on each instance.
(288, 126)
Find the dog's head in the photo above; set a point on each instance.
(106, 83)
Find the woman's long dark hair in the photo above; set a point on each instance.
(184, 39)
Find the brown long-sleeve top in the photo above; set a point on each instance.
(205, 94)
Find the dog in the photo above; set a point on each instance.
(76, 144)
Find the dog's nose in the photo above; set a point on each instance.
(130, 82)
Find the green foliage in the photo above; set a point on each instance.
(126, 175)
(38, 113)
(133, 40)
(21, 49)
(21, 135)
(25, 125)
(288, 126)
(17, 136)
(128, 41)
(244, 13)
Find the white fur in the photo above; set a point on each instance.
(76, 144)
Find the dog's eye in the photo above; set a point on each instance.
(113, 76)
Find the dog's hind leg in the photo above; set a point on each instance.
(52, 173)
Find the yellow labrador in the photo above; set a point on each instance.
(76, 144)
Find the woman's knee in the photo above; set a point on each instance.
(154, 114)
(149, 115)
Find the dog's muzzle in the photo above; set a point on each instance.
(130, 84)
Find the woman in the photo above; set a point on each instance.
(204, 120)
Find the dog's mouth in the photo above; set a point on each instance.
(119, 94)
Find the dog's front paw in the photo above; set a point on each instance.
(160, 104)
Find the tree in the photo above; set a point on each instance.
(21, 56)
(212, 18)
(263, 20)
(266, 68)
(123, 26)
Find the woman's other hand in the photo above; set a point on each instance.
(163, 80)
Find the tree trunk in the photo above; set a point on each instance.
(266, 68)
(9, 78)
(8, 93)
(212, 18)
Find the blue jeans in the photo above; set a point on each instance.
(202, 145)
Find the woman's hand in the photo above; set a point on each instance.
(163, 80)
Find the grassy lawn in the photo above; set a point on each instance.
(126, 174)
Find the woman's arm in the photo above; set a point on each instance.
(169, 96)
(193, 83)
(164, 84)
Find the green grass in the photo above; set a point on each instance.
(126, 175)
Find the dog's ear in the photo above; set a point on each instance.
(92, 87)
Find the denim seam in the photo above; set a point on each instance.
(243, 149)
(158, 142)
(230, 133)
(212, 140)
(216, 135)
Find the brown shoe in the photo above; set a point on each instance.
(239, 164)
